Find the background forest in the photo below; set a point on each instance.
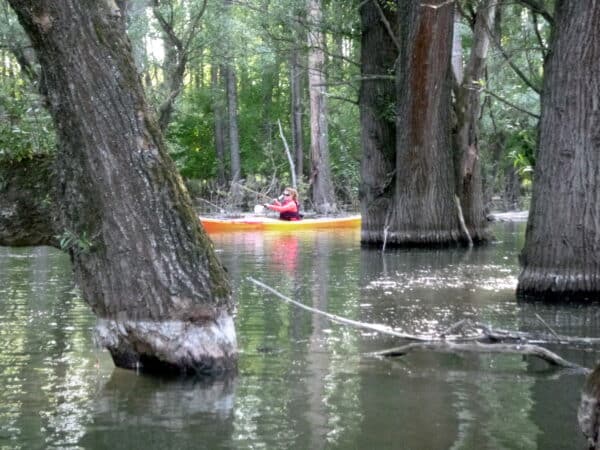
(229, 81)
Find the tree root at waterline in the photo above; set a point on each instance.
(464, 336)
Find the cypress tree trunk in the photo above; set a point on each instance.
(140, 257)
(423, 211)
(377, 119)
(562, 243)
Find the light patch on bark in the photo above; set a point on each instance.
(171, 341)
(113, 8)
(44, 21)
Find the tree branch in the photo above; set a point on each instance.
(536, 7)
(476, 347)
(463, 336)
(343, 99)
(512, 65)
(194, 25)
(512, 105)
(387, 25)
(368, 326)
(539, 36)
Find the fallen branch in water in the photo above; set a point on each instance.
(464, 336)
(477, 347)
(368, 326)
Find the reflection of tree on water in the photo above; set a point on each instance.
(317, 358)
(166, 413)
(333, 408)
(44, 359)
(556, 406)
(302, 361)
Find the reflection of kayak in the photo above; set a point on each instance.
(214, 225)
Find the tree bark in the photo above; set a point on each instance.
(562, 243)
(377, 118)
(140, 257)
(422, 211)
(467, 107)
(323, 195)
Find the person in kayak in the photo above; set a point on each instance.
(288, 207)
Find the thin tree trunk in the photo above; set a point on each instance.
(219, 121)
(323, 195)
(140, 257)
(270, 81)
(234, 139)
(467, 159)
(512, 188)
(177, 55)
(424, 211)
(378, 129)
(296, 97)
(562, 243)
(232, 117)
(174, 67)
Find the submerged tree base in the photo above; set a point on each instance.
(171, 347)
(442, 238)
(537, 284)
(533, 295)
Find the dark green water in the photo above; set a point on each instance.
(304, 383)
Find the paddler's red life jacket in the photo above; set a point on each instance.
(291, 215)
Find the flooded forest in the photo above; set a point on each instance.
(299, 224)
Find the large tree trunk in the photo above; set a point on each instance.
(467, 108)
(140, 257)
(378, 127)
(422, 211)
(562, 243)
(323, 195)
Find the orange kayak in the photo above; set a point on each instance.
(254, 223)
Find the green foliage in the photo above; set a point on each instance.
(508, 125)
(70, 241)
(521, 147)
(345, 152)
(191, 137)
(256, 39)
(26, 129)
